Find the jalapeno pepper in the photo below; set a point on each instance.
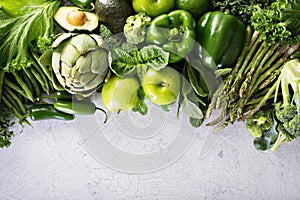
(82, 3)
(62, 95)
(47, 111)
(77, 107)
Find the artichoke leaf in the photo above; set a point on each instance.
(60, 79)
(61, 38)
(69, 55)
(83, 43)
(83, 63)
(93, 83)
(98, 39)
(56, 62)
(86, 78)
(99, 61)
(56, 58)
(65, 70)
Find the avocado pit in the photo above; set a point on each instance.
(76, 18)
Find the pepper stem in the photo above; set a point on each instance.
(102, 110)
(174, 34)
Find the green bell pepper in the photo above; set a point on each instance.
(222, 38)
(82, 3)
(174, 32)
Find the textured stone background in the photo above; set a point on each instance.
(50, 161)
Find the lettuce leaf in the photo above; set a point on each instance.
(22, 23)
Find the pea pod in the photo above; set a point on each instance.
(47, 111)
(77, 107)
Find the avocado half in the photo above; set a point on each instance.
(72, 18)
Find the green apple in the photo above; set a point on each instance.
(120, 93)
(161, 87)
(153, 8)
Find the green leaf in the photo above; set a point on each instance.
(197, 82)
(142, 108)
(196, 122)
(165, 108)
(122, 62)
(141, 71)
(141, 94)
(186, 87)
(191, 109)
(153, 56)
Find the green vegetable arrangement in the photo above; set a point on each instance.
(240, 57)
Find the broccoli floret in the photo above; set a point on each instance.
(260, 122)
(293, 126)
(285, 114)
(135, 28)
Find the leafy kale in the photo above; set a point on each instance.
(278, 24)
(242, 9)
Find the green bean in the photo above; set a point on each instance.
(16, 88)
(23, 86)
(22, 118)
(2, 73)
(9, 105)
(33, 81)
(27, 80)
(43, 80)
(43, 67)
(17, 99)
(40, 80)
(12, 102)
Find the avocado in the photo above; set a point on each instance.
(72, 18)
(113, 13)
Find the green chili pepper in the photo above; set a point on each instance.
(174, 32)
(47, 111)
(222, 37)
(62, 95)
(77, 107)
(82, 3)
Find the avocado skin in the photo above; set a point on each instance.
(113, 13)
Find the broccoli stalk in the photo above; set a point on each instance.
(283, 137)
(135, 28)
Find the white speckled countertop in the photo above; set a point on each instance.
(62, 160)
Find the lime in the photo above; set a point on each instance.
(196, 7)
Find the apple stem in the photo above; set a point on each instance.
(165, 84)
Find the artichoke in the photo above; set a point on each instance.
(80, 62)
